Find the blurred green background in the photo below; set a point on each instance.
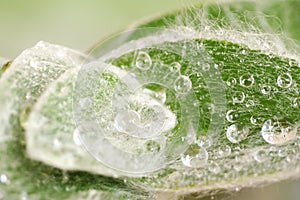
(77, 24)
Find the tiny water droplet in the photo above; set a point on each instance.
(175, 67)
(250, 103)
(231, 82)
(265, 89)
(232, 116)
(238, 97)
(224, 151)
(183, 84)
(143, 60)
(261, 155)
(278, 130)
(255, 120)
(296, 102)
(236, 133)
(214, 168)
(204, 141)
(247, 80)
(195, 156)
(205, 67)
(284, 80)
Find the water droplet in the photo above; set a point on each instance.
(261, 155)
(250, 103)
(284, 80)
(255, 120)
(278, 130)
(232, 116)
(247, 80)
(175, 67)
(265, 89)
(183, 84)
(152, 146)
(238, 97)
(224, 151)
(204, 141)
(143, 60)
(205, 67)
(194, 157)
(3, 179)
(236, 133)
(296, 102)
(231, 82)
(214, 168)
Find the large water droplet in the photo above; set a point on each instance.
(285, 80)
(236, 133)
(247, 80)
(278, 130)
(143, 60)
(183, 84)
(195, 156)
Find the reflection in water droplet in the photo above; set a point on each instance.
(143, 61)
(183, 84)
(238, 97)
(278, 130)
(232, 116)
(247, 80)
(284, 80)
(126, 121)
(194, 157)
(236, 133)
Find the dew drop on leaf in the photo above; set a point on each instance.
(183, 84)
(143, 61)
(284, 80)
(195, 156)
(236, 133)
(247, 80)
(278, 130)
